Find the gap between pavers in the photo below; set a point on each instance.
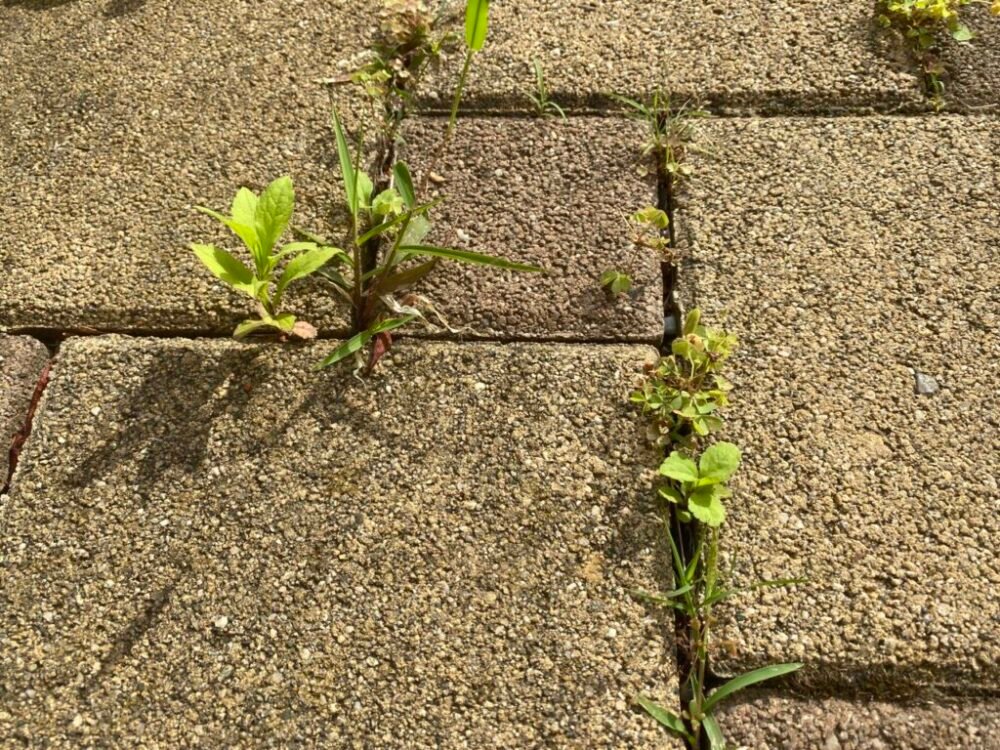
(848, 255)
(546, 192)
(769, 721)
(22, 361)
(116, 118)
(210, 543)
(763, 55)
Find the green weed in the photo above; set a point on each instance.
(921, 23)
(387, 254)
(672, 133)
(682, 396)
(260, 221)
(650, 225)
(544, 106)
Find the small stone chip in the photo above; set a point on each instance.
(926, 385)
(220, 622)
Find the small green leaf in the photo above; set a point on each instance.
(691, 322)
(467, 256)
(284, 322)
(746, 680)
(418, 228)
(616, 282)
(962, 33)
(705, 504)
(358, 341)
(302, 265)
(404, 184)
(225, 267)
(667, 718)
(715, 739)
(274, 211)
(719, 461)
(388, 203)
(679, 467)
(476, 23)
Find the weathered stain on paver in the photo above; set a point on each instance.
(112, 125)
(211, 544)
(22, 360)
(770, 721)
(552, 193)
(848, 255)
(759, 54)
(974, 68)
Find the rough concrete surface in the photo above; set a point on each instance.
(974, 68)
(773, 722)
(116, 117)
(211, 545)
(850, 255)
(548, 192)
(22, 360)
(758, 54)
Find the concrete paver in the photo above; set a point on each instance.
(117, 117)
(762, 54)
(552, 193)
(22, 360)
(851, 255)
(211, 545)
(770, 721)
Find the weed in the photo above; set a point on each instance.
(672, 133)
(260, 221)
(616, 282)
(410, 41)
(544, 106)
(396, 223)
(650, 226)
(682, 396)
(477, 16)
(921, 22)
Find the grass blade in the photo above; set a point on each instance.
(467, 256)
(477, 18)
(347, 169)
(357, 342)
(404, 184)
(750, 678)
(667, 718)
(715, 739)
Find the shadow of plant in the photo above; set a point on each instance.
(114, 8)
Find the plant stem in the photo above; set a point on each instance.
(456, 100)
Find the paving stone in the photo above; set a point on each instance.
(848, 255)
(210, 544)
(552, 193)
(770, 721)
(974, 78)
(117, 117)
(761, 54)
(22, 360)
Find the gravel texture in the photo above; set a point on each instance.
(117, 116)
(22, 360)
(848, 255)
(757, 54)
(552, 193)
(770, 722)
(211, 545)
(974, 68)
